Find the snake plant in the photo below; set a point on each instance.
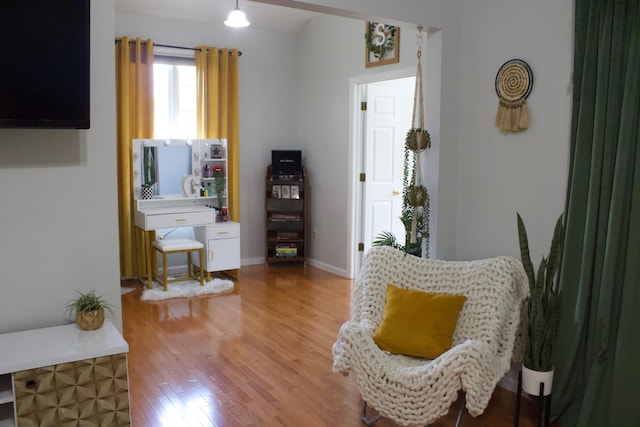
(219, 184)
(148, 166)
(544, 303)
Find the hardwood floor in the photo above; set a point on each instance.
(260, 356)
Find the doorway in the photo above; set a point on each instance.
(382, 116)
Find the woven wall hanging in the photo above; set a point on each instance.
(514, 82)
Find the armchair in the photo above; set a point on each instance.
(487, 336)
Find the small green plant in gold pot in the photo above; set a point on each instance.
(89, 309)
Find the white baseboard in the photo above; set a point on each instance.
(330, 268)
(314, 263)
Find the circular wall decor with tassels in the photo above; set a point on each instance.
(514, 82)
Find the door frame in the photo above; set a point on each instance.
(356, 164)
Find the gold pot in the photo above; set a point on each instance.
(90, 320)
(418, 140)
(417, 195)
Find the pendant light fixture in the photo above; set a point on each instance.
(237, 18)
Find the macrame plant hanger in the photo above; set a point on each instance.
(417, 141)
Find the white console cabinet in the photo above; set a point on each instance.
(222, 246)
(63, 375)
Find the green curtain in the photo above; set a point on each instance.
(597, 380)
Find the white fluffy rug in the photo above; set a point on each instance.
(189, 288)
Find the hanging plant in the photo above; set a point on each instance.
(416, 195)
(387, 238)
(418, 139)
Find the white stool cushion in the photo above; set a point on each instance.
(168, 245)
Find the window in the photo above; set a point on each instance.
(174, 91)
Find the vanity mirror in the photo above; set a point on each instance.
(178, 168)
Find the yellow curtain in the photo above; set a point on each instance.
(134, 119)
(217, 86)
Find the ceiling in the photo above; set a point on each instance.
(261, 15)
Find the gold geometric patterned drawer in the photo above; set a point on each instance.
(91, 392)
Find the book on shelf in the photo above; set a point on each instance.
(286, 235)
(285, 217)
(286, 246)
(295, 192)
(292, 253)
(286, 249)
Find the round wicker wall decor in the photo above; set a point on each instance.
(514, 82)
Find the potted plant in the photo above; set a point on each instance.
(149, 172)
(415, 202)
(89, 309)
(544, 309)
(417, 139)
(219, 184)
(415, 196)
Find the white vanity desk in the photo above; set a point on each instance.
(172, 212)
(221, 239)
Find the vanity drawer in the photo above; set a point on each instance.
(223, 231)
(183, 219)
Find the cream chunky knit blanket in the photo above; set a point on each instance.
(414, 391)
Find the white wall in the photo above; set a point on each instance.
(442, 85)
(58, 187)
(504, 173)
(315, 117)
(268, 110)
(294, 94)
(325, 108)
(58, 208)
(483, 175)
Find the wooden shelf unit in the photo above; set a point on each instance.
(286, 214)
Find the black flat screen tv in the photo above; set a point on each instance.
(44, 63)
(286, 162)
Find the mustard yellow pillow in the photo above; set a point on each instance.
(417, 323)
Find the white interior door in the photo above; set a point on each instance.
(387, 120)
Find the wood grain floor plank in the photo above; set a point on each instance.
(260, 356)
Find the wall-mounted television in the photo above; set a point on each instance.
(44, 63)
(286, 162)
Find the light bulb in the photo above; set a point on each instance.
(237, 19)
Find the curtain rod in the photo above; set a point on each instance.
(173, 47)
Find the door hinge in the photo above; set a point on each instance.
(360, 247)
(363, 177)
(363, 106)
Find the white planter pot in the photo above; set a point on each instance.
(531, 381)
